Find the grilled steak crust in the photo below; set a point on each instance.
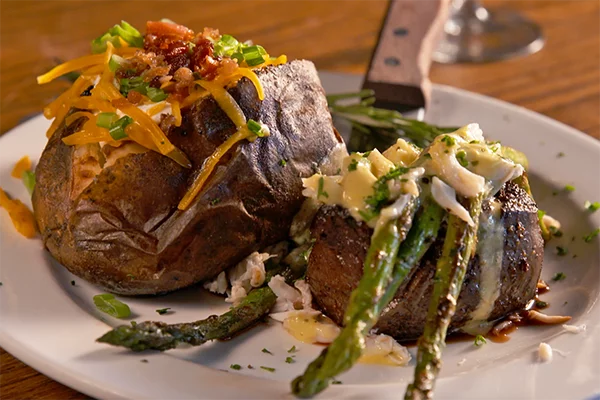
(341, 243)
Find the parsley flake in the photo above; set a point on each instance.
(336, 382)
(479, 341)
(266, 351)
(569, 188)
(292, 349)
(353, 165)
(320, 191)
(559, 276)
(289, 360)
(561, 251)
(267, 368)
(461, 156)
(591, 236)
(237, 367)
(162, 311)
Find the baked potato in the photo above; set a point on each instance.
(112, 217)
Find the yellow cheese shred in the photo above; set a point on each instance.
(20, 215)
(24, 164)
(81, 63)
(176, 111)
(209, 165)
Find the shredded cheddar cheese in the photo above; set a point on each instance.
(24, 164)
(176, 112)
(20, 215)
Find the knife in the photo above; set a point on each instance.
(399, 66)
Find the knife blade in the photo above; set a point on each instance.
(399, 67)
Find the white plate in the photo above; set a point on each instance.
(51, 325)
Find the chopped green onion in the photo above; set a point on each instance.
(268, 369)
(253, 55)
(282, 162)
(569, 188)
(28, 178)
(115, 62)
(562, 251)
(106, 119)
(267, 351)
(226, 46)
(125, 31)
(449, 140)
(289, 360)
(162, 311)
(237, 367)
(155, 94)
(559, 276)
(555, 231)
(108, 304)
(479, 341)
(292, 349)
(592, 207)
(257, 128)
(117, 129)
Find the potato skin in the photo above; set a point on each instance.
(124, 232)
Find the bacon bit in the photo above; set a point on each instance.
(184, 78)
(174, 31)
(135, 97)
(547, 319)
(21, 216)
(210, 33)
(24, 164)
(203, 60)
(154, 72)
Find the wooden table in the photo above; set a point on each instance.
(562, 81)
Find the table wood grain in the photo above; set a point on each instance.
(562, 81)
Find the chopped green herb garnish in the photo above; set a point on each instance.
(254, 55)
(289, 360)
(461, 156)
(124, 31)
(115, 62)
(162, 311)
(449, 140)
(353, 165)
(117, 129)
(72, 283)
(381, 190)
(28, 178)
(292, 349)
(592, 207)
(257, 128)
(320, 191)
(569, 188)
(561, 154)
(592, 235)
(106, 119)
(139, 85)
(282, 162)
(427, 155)
(237, 367)
(541, 304)
(266, 351)
(479, 341)
(108, 304)
(267, 368)
(155, 94)
(555, 231)
(562, 251)
(559, 276)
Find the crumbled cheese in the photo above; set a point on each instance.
(545, 353)
(445, 196)
(383, 349)
(249, 273)
(287, 296)
(574, 328)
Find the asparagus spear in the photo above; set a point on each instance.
(459, 246)
(162, 336)
(420, 237)
(363, 308)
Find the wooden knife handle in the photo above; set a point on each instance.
(399, 67)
